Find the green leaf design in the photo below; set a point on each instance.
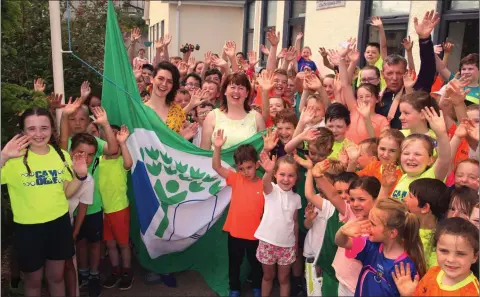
(166, 159)
(209, 179)
(195, 174)
(195, 187)
(155, 168)
(180, 167)
(162, 227)
(215, 188)
(164, 198)
(170, 171)
(185, 178)
(142, 153)
(152, 153)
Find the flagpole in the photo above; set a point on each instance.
(56, 43)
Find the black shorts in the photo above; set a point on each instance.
(36, 243)
(92, 228)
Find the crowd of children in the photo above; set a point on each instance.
(370, 177)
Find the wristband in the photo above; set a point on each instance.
(81, 178)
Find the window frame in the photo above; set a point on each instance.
(364, 24)
(263, 31)
(450, 15)
(289, 22)
(246, 29)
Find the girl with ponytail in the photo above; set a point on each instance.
(393, 240)
(40, 178)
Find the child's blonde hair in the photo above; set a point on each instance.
(397, 217)
(425, 139)
(392, 134)
(288, 159)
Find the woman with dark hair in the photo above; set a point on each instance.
(166, 82)
(234, 116)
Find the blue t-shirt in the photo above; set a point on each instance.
(301, 63)
(376, 275)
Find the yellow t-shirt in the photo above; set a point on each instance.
(112, 183)
(426, 235)
(37, 197)
(401, 190)
(337, 147)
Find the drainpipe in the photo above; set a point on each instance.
(179, 3)
(146, 12)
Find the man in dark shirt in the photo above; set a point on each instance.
(395, 66)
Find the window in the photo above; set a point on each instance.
(151, 49)
(294, 21)
(459, 25)
(158, 32)
(249, 17)
(394, 14)
(162, 28)
(268, 22)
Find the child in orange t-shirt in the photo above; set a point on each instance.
(457, 249)
(245, 212)
(388, 150)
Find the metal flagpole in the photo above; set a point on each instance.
(57, 62)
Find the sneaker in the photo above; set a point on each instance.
(94, 286)
(169, 280)
(257, 292)
(234, 293)
(111, 281)
(126, 282)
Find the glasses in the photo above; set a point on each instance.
(204, 113)
(369, 80)
(190, 84)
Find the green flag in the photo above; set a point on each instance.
(177, 200)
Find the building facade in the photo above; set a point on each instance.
(328, 23)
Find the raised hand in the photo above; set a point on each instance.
(100, 116)
(85, 90)
(270, 140)
(198, 96)
(219, 140)
(191, 63)
(282, 54)
(39, 85)
(310, 212)
(299, 36)
(265, 80)
(363, 108)
(72, 106)
(305, 163)
(435, 120)
(312, 82)
(55, 101)
(291, 54)
(354, 54)
(320, 168)
(407, 43)
(323, 52)
(437, 49)
(403, 279)
(472, 129)
(189, 131)
(307, 115)
(138, 72)
(448, 47)
(425, 28)
(376, 22)
(123, 134)
(266, 163)
(219, 62)
(353, 152)
(135, 34)
(167, 38)
(273, 38)
(229, 48)
(334, 56)
(182, 68)
(389, 175)
(79, 164)
(264, 50)
(16, 146)
(409, 79)
(208, 58)
(461, 130)
(455, 91)
(252, 59)
(354, 228)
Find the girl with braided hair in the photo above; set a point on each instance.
(40, 178)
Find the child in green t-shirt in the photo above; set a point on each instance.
(112, 183)
(429, 206)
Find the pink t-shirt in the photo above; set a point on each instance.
(357, 131)
(347, 270)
